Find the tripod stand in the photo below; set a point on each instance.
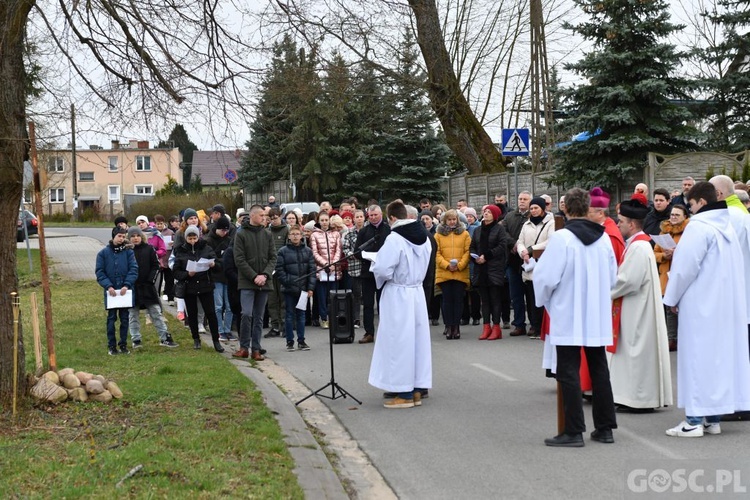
(336, 390)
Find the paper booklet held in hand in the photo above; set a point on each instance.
(369, 255)
(302, 302)
(664, 240)
(119, 301)
(198, 266)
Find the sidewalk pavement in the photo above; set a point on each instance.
(74, 257)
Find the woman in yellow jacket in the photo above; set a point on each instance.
(678, 219)
(452, 269)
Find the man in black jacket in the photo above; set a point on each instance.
(513, 223)
(376, 228)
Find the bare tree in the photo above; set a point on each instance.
(476, 55)
(141, 59)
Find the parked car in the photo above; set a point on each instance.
(306, 207)
(32, 225)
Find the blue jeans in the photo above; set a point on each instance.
(517, 297)
(712, 419)
(321, 291)
(253, 304)
(154, 312)
(294, 317)
(224, 314)
(124, 321)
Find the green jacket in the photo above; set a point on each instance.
(734, 201)
(254, 254)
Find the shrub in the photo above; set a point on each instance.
(167, 205)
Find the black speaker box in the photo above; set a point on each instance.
(340, 313)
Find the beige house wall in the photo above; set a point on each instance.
(105, 175)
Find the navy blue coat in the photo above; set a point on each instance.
(116, 269)
(293, 262)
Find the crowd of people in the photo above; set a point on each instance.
(609, 290)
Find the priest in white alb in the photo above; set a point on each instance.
(640, 368)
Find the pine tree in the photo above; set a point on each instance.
(625, 103)
(280, 134)
(178, 138)
(727, 93)
(412, 158)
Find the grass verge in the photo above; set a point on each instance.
(197, 426)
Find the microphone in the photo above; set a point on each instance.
(368, 243)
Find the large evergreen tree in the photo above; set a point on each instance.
(413, 158)
(625, 102)
(726, 92)
(178, 138)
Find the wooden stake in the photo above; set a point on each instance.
(37, 335)
(16, 301)
(560, 410)
(42, 251)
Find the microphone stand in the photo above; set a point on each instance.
(336, 390)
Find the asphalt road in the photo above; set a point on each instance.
(480, 433)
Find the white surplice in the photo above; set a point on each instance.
(707, 284)
(402, 358)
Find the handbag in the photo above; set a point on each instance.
(179, 289)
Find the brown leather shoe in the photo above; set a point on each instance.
(367, 339)
(257, 356)
(518, 331)
(673, 345)
(242, 353)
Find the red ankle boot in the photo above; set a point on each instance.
(496, 334)
(486, 330)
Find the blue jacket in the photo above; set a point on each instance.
(116, 267)
(292, 263)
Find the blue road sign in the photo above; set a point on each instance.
(230, 175)
(515, 142)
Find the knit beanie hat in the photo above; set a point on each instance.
(141, 218)
(189, 212)
(495, 210)
(538, 201)
(222, 223)
(120, 219)
(192, 230)
(118, 230)
(470, 211)
(135, 230)
(219, 208)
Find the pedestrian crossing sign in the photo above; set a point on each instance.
(515, 142)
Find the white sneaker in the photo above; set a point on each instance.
(164, 297)
(686, 430)
(713, 429)
(201, 328)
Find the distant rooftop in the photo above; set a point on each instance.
(212, 165)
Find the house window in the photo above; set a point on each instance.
(113, 194)
(57, 195)
(56, 164)
(144, 189)
(112, 161)
(86, 176)
(143, 163)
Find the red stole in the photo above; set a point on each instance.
(617, 303)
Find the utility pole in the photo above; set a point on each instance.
(73, 161)
(542, 133)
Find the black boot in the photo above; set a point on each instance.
(457, 332)
(449, 331)
(217, 346)
(196, 343)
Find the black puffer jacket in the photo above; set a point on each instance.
(148, 266)
(200, 282)
(494, 247)
(293, 262)
(220, 246)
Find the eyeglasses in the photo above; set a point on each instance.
(675, 215)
